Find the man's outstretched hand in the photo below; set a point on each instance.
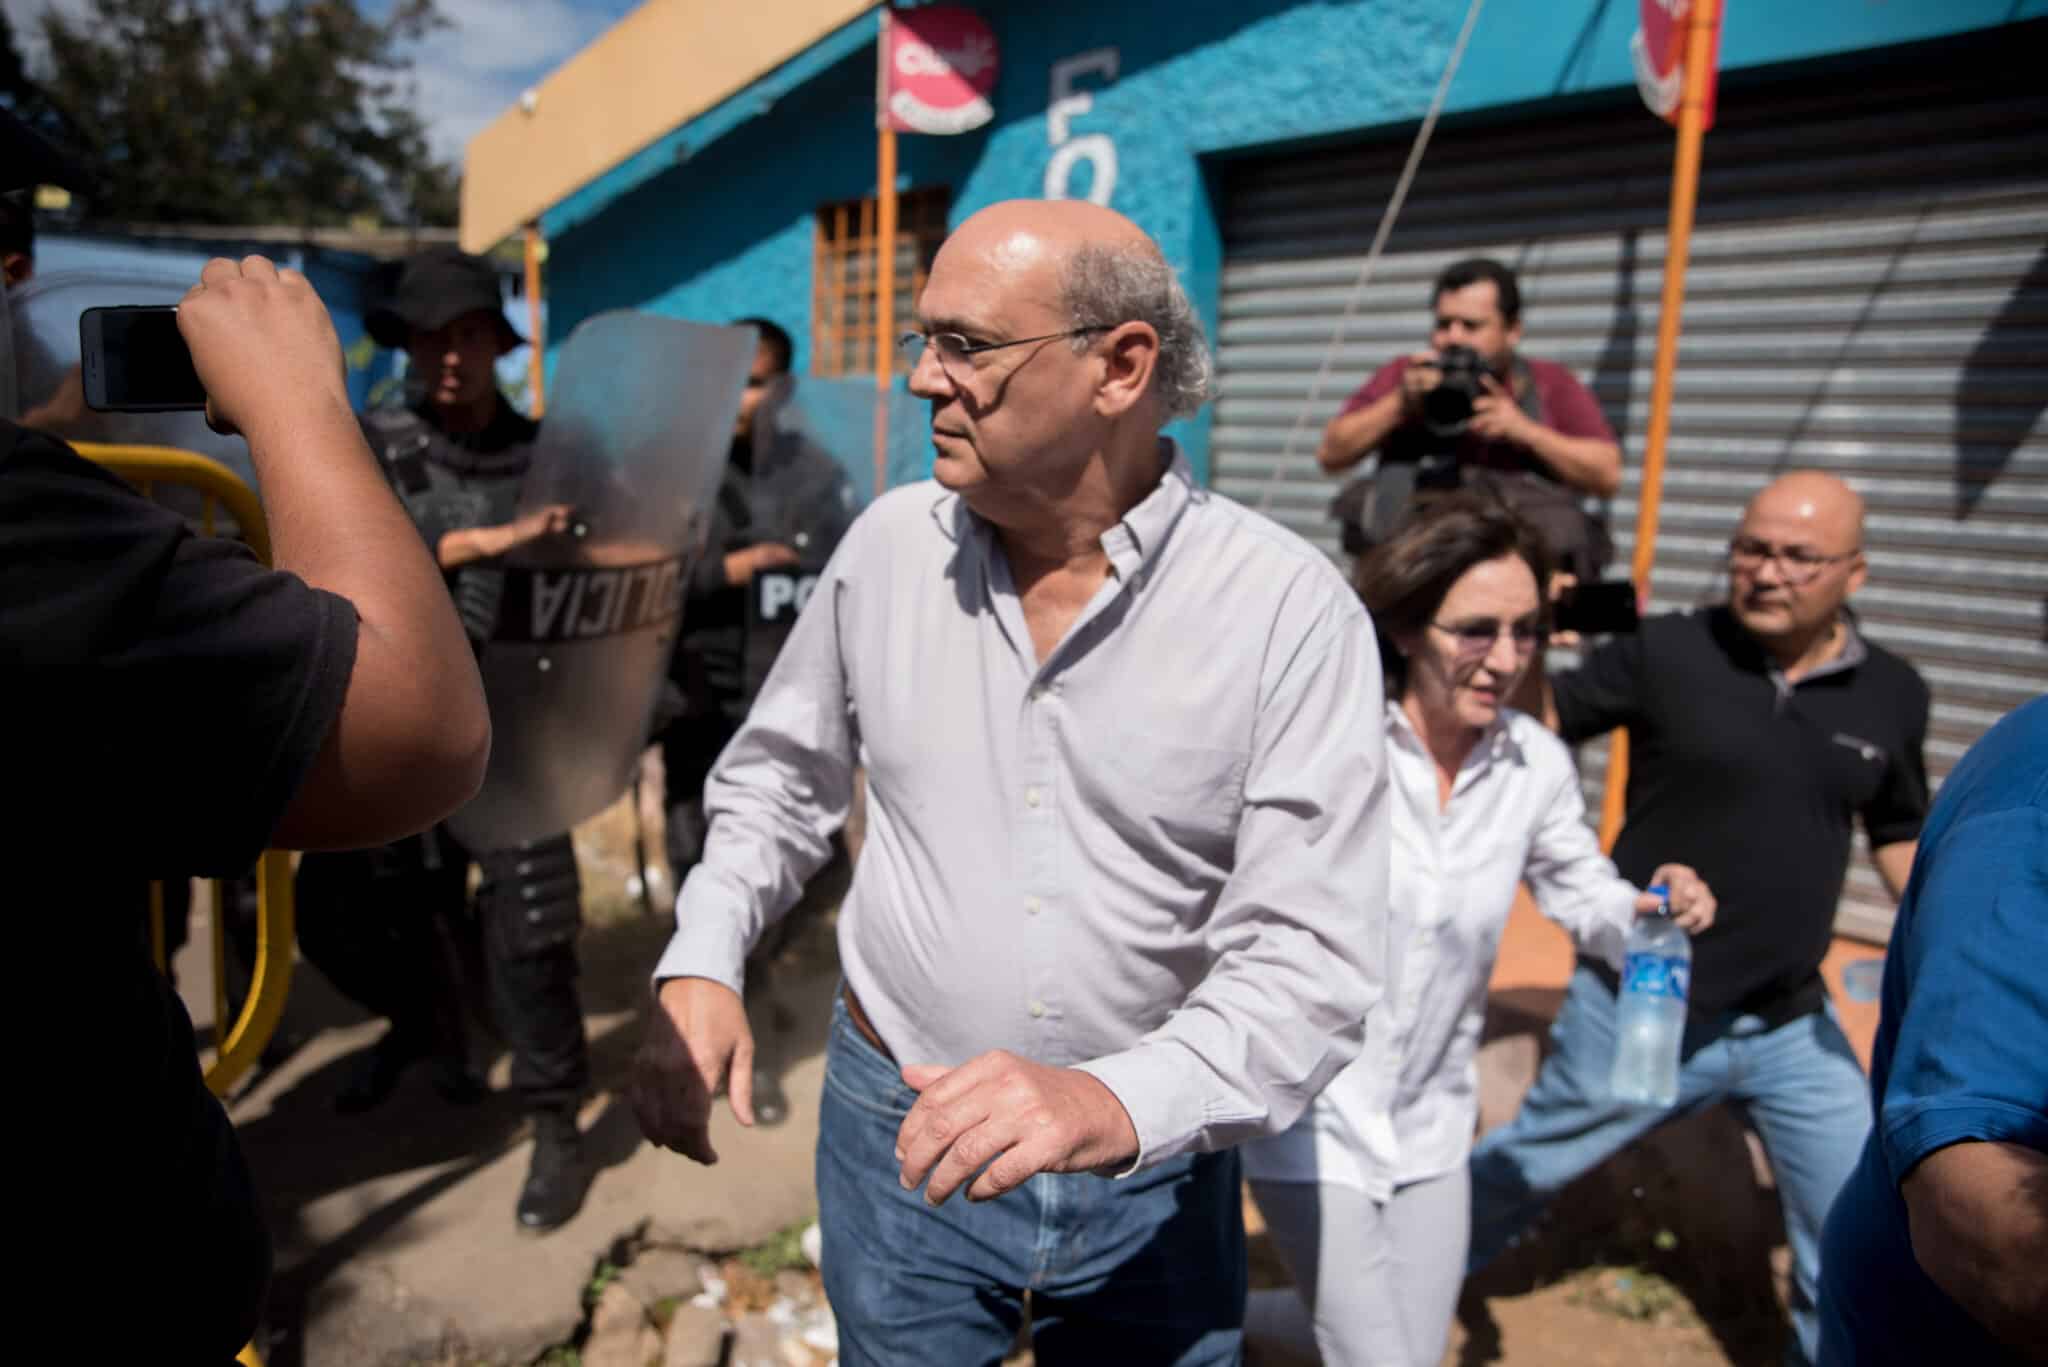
(697, 1041)
(1009, 1119)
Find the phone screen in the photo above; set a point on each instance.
(136, 359)
(1598, 609)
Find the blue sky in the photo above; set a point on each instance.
(467, 74)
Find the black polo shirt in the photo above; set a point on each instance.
(164, 697)
(1756, 783)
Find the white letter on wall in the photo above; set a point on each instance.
(1067, 104)
(1099, 152)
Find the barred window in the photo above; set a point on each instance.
(844, 287)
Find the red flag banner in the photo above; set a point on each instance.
(1659, 51)
(938, 70)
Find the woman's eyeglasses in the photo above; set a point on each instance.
(1477, 636)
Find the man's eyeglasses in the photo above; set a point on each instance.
(1477, 636)
(953, 348)
(1797, 563)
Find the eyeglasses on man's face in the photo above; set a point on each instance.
(956, 352)
(1476, 635)
(1797, 563)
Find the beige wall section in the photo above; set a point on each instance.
(660, 66)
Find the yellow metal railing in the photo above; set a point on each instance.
(238, 1043)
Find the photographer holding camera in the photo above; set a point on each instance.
(1473, 412)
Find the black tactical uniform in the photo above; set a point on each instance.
(778, 486)
(389, 926)
(529, 904)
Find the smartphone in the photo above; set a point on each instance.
(1597, 609)
(134, 360)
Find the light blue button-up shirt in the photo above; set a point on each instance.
(1160, 855)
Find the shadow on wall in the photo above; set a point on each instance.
(1580, 57)
(2002, 392)
(1614, 373)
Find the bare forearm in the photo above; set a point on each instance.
(414, 703)
(335, 524)
(1587, 463)
(471, 544)
(1978, 1215)
(1352, 436)
(1894, 866)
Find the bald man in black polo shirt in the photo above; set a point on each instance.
(1759, 731)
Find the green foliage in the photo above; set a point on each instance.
(25, 97)
(247, 111)
(606, 1274)
(781, 1251)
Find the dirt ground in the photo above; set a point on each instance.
(396, 1245)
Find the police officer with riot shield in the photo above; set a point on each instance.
(783, 503)
(386, 925)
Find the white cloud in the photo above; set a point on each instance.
(493, 35)
(26, 16)
(474, 70)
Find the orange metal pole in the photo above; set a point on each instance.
(533, 329)
(1685, 181)
(885, 265)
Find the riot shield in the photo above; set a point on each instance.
(638, 423)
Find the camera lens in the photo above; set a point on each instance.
(1448, 407)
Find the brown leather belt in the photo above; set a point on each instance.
(861, 1022)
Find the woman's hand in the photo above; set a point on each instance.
(1692, 901)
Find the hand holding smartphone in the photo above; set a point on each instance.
(133, 359)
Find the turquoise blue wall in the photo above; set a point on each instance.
(715, 220)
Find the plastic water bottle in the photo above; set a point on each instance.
(1649, 1025)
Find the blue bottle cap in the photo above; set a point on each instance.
(1663, 894)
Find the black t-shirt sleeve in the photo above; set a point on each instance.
(1604, 692)
(187, 685)
(257, 663)
(1900, 807)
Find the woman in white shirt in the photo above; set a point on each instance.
(1366, 1197)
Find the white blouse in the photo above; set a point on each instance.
(1405, 1110)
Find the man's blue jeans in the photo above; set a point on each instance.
(1146, 1270)
(1800, 1085)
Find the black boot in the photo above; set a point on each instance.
(555, 1180)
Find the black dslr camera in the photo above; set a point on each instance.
(1448, 407)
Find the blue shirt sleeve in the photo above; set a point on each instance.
(1971, 1056)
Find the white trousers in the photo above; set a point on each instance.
(1375, 1283)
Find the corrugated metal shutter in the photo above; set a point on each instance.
(1868, 295)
